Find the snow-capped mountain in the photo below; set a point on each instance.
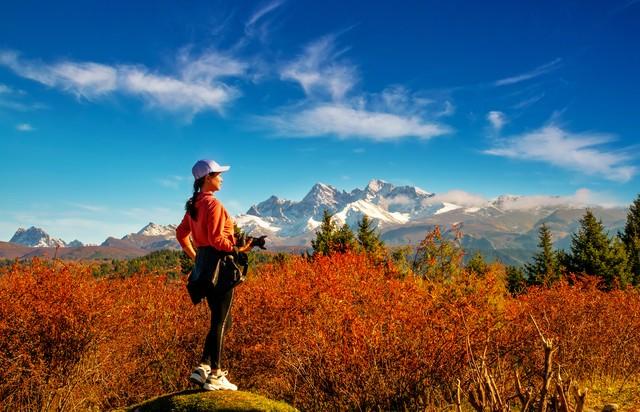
(153, 229)
(35, 237)
(383, 202)
(151, 237)
(505, 227)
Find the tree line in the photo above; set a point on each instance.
(615, 259)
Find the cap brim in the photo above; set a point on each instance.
(222, 168)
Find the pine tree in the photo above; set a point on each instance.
(593, 253)
(477, 264)
(545, 269)
(631, 239)
(345, 240)
(368, 238)
(515, 280)
(325, 236)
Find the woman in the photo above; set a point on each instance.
(206, 234)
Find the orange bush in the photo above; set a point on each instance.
(338, 332)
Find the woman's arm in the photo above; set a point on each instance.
(187, 246)
(183, 234)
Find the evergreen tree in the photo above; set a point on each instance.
(325, 236)
(545, 268)
(345, 240)
(477, 264)
(368, 238)
(593, 253)
(631, 239)
(438, 258)
(515, 280)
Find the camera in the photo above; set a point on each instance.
(255, 241)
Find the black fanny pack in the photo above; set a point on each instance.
(214, 268)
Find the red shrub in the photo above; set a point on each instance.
(338, 332)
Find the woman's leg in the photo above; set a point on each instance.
(219, 302)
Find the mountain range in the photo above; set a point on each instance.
(505, 228)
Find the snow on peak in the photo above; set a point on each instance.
(375, 185)
(35, 237)
(321, 193)
(153, 229)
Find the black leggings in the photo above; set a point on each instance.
(219, 299)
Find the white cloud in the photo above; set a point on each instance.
(209, 66)
(84, 79)
(344, 121)
(399, 200)
(458, 197)
(195, 88)
(581, 152)
(319, 73)
(538, 71)
(528, 102)
(174, 94)
(581, 198)
(4, 89)
(448, 109)
(395, 99)
(250, 25)
(497, 119)
(24, 127)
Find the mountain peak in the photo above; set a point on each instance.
(321, 192)
(375, 185)
(35, 237)
(153, 229)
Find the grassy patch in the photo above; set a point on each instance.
(200, 401)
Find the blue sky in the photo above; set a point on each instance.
(105, 106)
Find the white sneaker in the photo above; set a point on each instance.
(220, 382)
(200, 374)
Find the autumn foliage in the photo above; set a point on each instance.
(335, 332)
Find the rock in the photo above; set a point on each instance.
(610, 407)
(200, 401)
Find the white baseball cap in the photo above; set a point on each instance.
(204, 167)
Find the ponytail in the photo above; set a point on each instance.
(190, 206)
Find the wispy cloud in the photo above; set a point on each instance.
(528, 102)
(332, 109)
(173, 182)
(581, 198)
(24, 127)
(497, 119)
(458, 197)
(538, 71)
(319, 71)
(348, 122)
(84, 79)
(89, 208)
(251, 27)
(10, 98)
(582, 152)
(197, 86)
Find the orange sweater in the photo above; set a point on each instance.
(213, 225)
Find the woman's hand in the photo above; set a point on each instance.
(247, 247)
